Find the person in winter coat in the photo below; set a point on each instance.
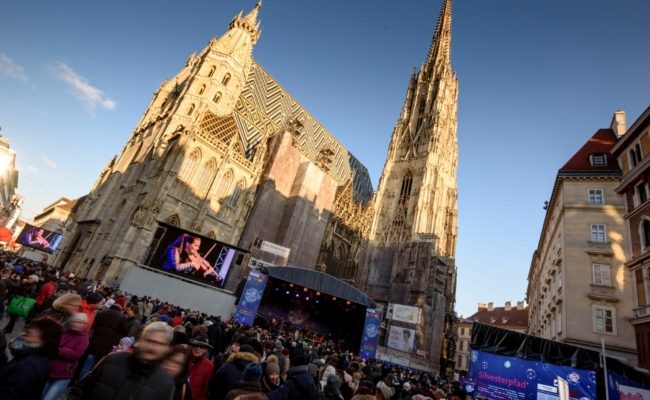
(331, 390)
(131, 322)
(107, 332)
(230, 373)
(24, 377)
(300, 384)
(271, 379)
(200, 368)
(175, 365)
(73, 344)
(249, 386)
(137, 375)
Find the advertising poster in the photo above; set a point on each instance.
(401, 338)
(190, 255)
(250, 298)
(499, 377)
(39, 238)
(621, 388)
(404, 313)
(370, 336)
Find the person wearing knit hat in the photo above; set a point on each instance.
(249, 384)
(271, 379)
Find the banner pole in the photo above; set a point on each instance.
(602, 343)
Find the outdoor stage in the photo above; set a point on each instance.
(309, 300)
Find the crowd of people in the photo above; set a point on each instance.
(85, 341)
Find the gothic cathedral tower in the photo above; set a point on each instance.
(413, 235)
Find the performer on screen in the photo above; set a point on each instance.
(35, 238)
(183, 255)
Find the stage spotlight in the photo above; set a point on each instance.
(317, 293)
(287, 292)
(277, 289)
(317, 301)
(297, 295)
(304, 289)
(348, 302)
(291, 285)
(333, 298)
(307, 298)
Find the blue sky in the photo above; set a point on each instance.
(537, 78)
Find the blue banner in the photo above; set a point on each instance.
(622, 388)
(250, 298)
(499, 377)
(370, 334)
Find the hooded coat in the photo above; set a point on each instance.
(72, 346)
(229, 374)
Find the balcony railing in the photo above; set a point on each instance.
(642, 311)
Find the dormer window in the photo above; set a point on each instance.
(598, 159)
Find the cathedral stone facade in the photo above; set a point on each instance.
(223, 150)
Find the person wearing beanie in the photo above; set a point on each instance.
(300, 384)
(225, 378)
(332, 388)
(249, 385)
(272, 379)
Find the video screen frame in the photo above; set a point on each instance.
(39, 238)
(191, 255)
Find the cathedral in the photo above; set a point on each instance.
(224, 151)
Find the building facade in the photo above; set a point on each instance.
(633, 155)
(223, 150)
(414, 225)
(464, 335)
(10, 202)
(579, 290)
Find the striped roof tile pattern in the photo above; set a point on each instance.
(264, 106)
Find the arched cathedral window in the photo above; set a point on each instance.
(212, 69)
(226, 79)
(189, 165)
(216, 97)
(405, 190)
(203, 184)
(191, 110)
(202, 89)
(222, 190)
(236, 194)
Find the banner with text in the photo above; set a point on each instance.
(250, 298)
(499, 377)
(370, 334)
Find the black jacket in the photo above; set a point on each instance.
(107, 332)
(24, 377)
(224, 380)
(123, 376)
(300, 385)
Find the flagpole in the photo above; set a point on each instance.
(602, 343)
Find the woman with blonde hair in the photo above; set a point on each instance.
(63, 308)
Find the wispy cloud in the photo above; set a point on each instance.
(10, 69)
(50, 164)
(82, 89)
(32, 169)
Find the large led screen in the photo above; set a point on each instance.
(39, 238)
(190, 255)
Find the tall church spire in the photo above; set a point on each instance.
(248, 22)
(441, 43)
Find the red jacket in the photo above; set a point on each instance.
(47, 290)
(72, 346)
(200, 373)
